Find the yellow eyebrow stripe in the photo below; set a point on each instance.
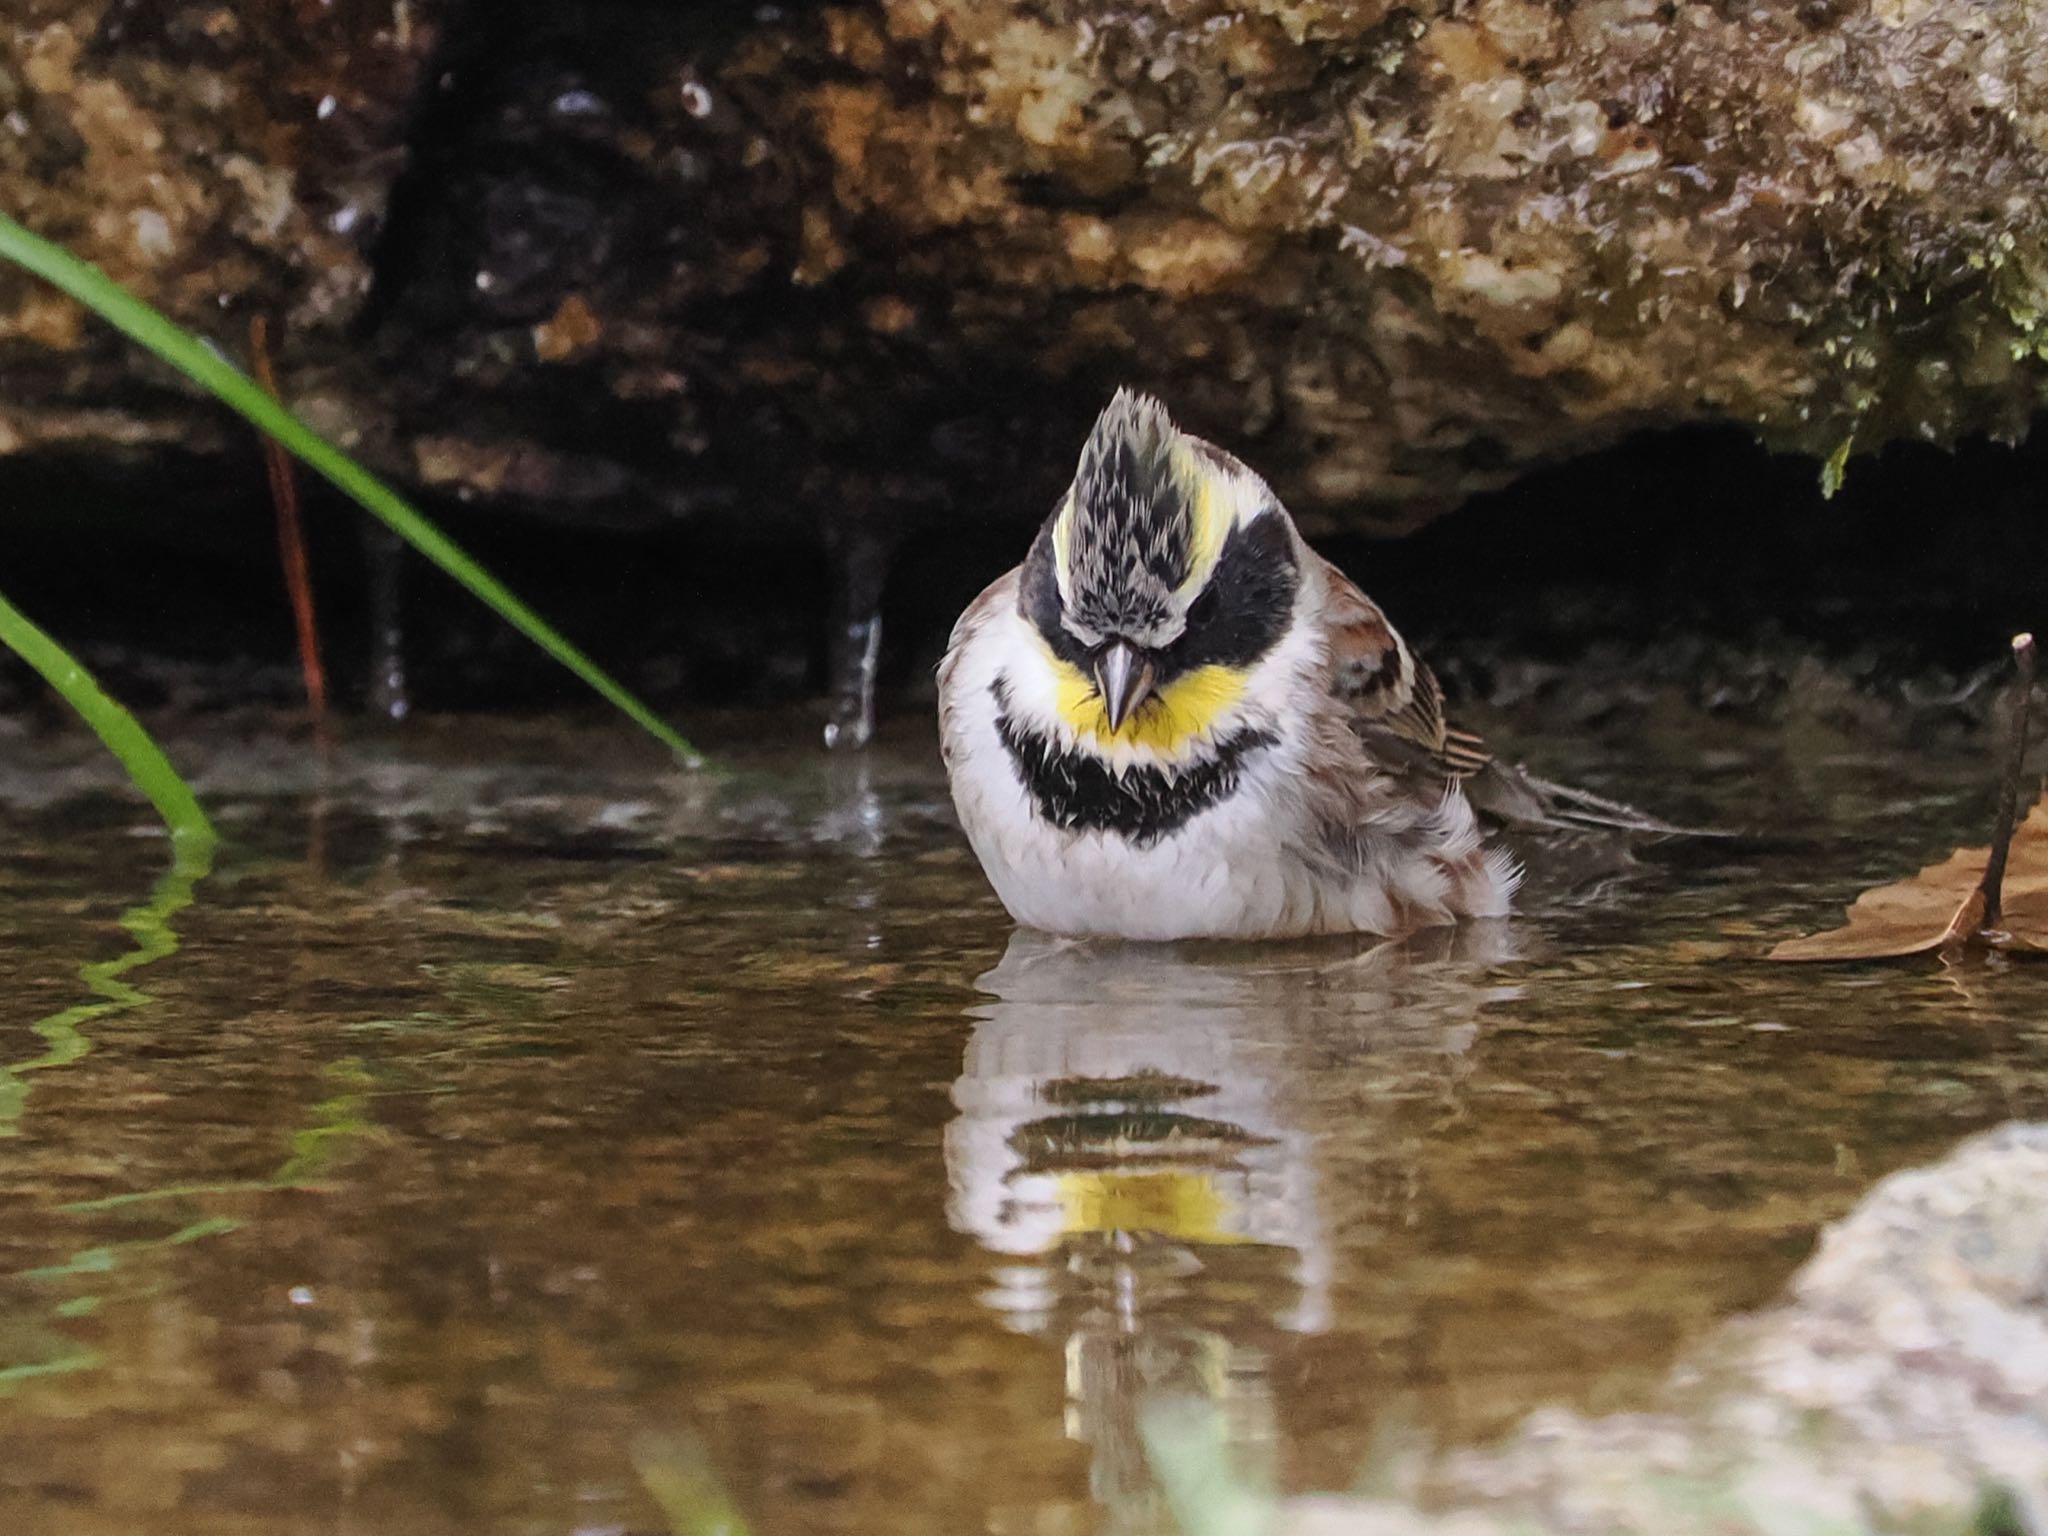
(1186, 708)
(1062, 544)
(1213, 520)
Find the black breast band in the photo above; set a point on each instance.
(1078, 791)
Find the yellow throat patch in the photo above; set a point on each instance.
(1184, 709)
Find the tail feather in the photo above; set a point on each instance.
(1516, 798)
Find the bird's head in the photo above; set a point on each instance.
(1162, 578)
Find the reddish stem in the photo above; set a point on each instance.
(291, 538)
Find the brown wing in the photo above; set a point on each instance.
(1391, 698)
(1395, 707)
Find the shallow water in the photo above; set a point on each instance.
(515, 1135)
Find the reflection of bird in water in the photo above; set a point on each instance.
(1130, 1139)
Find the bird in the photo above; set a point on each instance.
(1175, 720)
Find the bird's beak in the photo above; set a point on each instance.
(1123, 676)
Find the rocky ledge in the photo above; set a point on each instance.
(832, 267)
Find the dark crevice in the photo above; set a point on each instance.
(1640, 561)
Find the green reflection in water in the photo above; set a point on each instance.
(1189, 1446)
(107, 1257)
(51, 1352)
(192, 843)
(39, 1350)
(678, 1475)
(64, 1040)
(12, 1376)
(150, 925)
(337, 1124)
(340, 1122)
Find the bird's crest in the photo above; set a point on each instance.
(1126, 541)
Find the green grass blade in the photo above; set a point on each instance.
(149, 925)
(191, 833)
(63, 1036)
(206, 368)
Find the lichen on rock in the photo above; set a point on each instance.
(1467, 236)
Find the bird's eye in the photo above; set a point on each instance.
(1203, 609)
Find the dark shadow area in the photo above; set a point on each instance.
(1626, 561)
(1935, 556)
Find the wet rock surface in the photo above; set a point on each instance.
(224, 162)
(1900, 1386)
(868, 268)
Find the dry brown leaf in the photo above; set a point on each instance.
(1942, 907)
(1976, 898)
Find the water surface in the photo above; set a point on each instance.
(517, 1119)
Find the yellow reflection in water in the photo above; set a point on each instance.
(1183, 1204)
(1133, 1147)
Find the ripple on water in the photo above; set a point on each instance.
(511, 1105)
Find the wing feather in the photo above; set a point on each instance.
(1395, 708)
(1391, 699)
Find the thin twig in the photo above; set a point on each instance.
(2014, 749)
(156, 332)
(291, 538)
